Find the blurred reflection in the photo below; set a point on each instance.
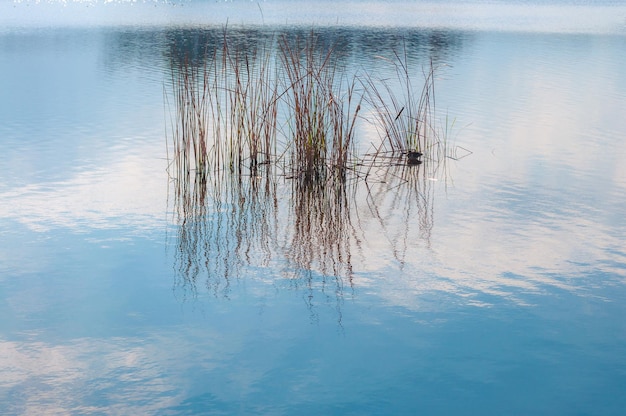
(353, 45)
(196, 46)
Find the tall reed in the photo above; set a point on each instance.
(405, 119)
(225, 110)
(251, 98)
(321, 115)
(190, 135)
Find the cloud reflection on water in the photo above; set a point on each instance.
(84, 376)
(105, 197)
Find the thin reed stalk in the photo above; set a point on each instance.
(404, 121)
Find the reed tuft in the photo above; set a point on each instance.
(289, 102)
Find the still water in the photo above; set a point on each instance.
(493, 282)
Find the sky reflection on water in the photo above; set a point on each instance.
(493, 286)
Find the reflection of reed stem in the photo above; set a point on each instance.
(404, 192)
(223, 225)
(322, 229)
(236, 221)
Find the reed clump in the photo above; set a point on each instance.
(288, 102)
(189, 127)
(244, 118)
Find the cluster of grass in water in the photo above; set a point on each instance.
(243, 117)
(289, 103)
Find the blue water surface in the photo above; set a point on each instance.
(491, 283)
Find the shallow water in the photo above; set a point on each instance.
(492, 285)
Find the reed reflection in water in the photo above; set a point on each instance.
(223, 222)
(309, 232)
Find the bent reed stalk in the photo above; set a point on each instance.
(288, 103)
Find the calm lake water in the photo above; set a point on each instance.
(490, 283)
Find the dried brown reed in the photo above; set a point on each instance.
(189, 129)
(252, 105)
